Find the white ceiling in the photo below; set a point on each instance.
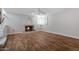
(26, 11)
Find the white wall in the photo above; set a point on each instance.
(65, 22)
(16, 22)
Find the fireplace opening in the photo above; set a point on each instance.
(29, 28)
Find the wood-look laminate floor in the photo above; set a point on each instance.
(40, 41)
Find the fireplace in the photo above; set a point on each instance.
(29, 28)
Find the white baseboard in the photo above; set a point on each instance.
(14, 33)
(21, 32)
(63, 34)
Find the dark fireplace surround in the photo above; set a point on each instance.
(29, 27)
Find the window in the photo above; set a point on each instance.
(41, 19)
